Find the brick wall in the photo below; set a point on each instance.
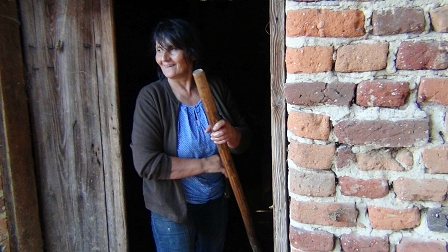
(367, 99)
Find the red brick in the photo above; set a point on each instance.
(313, 126)
(435, 159)
(356, 243)
(345, 157)
(405, 158)
(400, 133)
(372, 188)
(312, 183)
(339, 94)
(381, 93)
(393, 219)
(398, 20)
(421, 189)
(439, 19)
(409, 244)
(361, 57)
(311, 240)
(422, 55)
(312, 156)
(377, 160)
(324, 23)
(433, 90)
(311, 59)
(316, 93)
(306, 94)
(326, 214)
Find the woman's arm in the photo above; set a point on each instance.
(148, 144)
(187, 167)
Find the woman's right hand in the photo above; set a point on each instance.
(213, 164)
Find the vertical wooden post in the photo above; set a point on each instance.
(16, 158)
(278, 110)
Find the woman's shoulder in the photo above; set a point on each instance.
(156, 88)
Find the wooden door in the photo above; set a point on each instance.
(69, 54)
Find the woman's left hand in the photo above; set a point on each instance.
(224, 133)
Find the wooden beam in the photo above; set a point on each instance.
(278, 127)
(19, 182)
(105, 53)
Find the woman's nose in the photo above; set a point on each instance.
(165, 55)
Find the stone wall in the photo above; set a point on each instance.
(367, 98)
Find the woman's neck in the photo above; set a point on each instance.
(185, 91)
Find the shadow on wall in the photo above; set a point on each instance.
(236, 45)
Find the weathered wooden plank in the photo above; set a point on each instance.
(278, 110)
(75, 133)
(109, 107)
(16, 157)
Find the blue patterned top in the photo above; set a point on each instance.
(193, 142)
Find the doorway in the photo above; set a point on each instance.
(235, 35)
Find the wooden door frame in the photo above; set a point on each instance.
(278, 127)
(19, 183)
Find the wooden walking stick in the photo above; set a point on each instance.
(226, 157)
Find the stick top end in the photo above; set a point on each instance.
(197, 71)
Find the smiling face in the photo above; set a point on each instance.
(172, 62)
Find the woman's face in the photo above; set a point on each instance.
(172, 61)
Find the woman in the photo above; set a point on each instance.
(174, 148)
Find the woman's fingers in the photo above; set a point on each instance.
(221, 123)
(213, 164)
(224, 133)
(221, 131)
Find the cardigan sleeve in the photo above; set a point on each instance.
(150, 159)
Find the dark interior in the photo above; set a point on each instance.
(235, 35)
